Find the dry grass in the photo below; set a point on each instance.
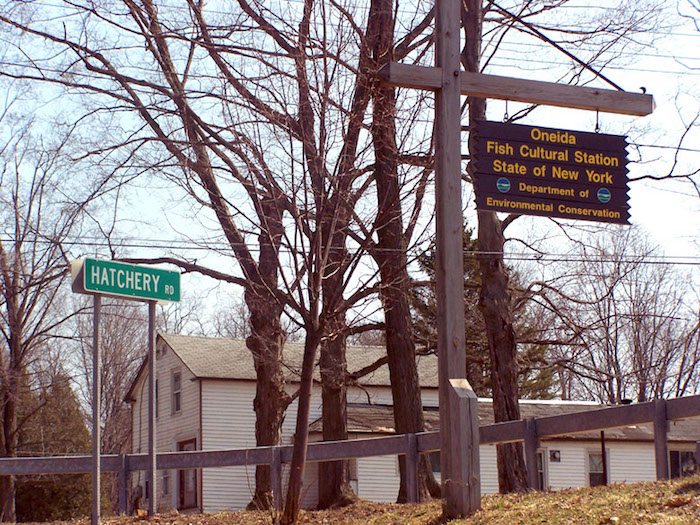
(676, 502)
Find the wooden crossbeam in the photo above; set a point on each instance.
(522, 90)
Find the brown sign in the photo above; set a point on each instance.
(552, 189)
(549, 172)
(551, 208)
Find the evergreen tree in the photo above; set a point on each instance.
(535, 376)
(54, 426)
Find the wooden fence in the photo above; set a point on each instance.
(531, 431)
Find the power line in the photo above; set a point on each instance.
(594, 49)
(549, 63)
(366, 8)
(662, 146)
(681, 260)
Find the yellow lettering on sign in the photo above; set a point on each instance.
(497, 148)
(536, 189)
(512, 168)
(588, 212)
(561, 173)
(596, 159)
(599, 178)
(540, 153)
(557, 137)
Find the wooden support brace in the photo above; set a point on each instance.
(523, 90)
(465, 453)
(661, 439)
(123, 485)
(532, 442)
(276, 478)
(411, 468)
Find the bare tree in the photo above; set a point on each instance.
(259, 115)
(123, 341)
(631, 326)
(278, 79)
(33, 267)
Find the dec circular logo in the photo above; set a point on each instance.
(503, 185)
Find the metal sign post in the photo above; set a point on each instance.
(139, 283)
(96, 404)
(153, 495)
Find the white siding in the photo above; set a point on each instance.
(630, 462)
(487, 466)
(309, 492)
(378, 478)
(228, 421)
(571, 471)
(381, 395)
(170, 428)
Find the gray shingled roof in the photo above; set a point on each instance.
(222, 358)
(380, 419)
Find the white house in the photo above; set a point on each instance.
(205, 390)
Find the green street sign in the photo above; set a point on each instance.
(126, 280)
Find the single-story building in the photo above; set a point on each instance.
(204, 401)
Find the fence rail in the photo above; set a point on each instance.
(531, 431)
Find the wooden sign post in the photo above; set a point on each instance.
(461, 488)
(459, 473)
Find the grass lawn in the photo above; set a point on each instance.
(673, 502)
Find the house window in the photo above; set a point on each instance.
(166, 482)
(681, 463)
(177, 392)
(595, 469)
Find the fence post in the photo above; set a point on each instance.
(123, 484)
(661, 439)
(469, 486)
(532, 442)
(411, 468)
(276, 478)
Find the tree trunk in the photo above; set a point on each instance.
(494, 298)
(301, 434)
(7, 499)
(8, 483)
(265, 343)
(334, 476)
(405, 385)
(496, 307)
(10, 396)
(391, 257)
